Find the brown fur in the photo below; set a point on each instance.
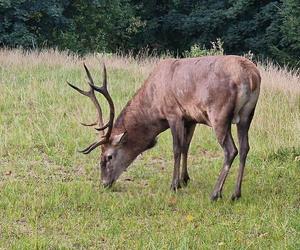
(187, 88)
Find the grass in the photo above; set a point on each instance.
(50, 195)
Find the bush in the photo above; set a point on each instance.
(198, 50)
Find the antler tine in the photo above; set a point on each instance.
(92, 96)
(103, 90)
(104, 76)
(89, 124)
(90, 93)
(91, 147)
(91, 81)
(104, 127)
(86, 93)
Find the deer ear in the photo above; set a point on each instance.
(119, 139)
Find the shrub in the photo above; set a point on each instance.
(197, 50)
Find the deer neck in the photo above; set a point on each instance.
(142, 123)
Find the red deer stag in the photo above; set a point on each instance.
(214, 90)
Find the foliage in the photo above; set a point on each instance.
(290, 31)
(268, 28)
(101, 26)
(30, 23)
(77, 25)
(198, 50)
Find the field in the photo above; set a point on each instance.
(51, 197)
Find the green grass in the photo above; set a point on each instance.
(51, 197)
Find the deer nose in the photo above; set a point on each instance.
(107, 183)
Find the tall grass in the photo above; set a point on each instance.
(50, 195)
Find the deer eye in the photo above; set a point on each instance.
(109, 157)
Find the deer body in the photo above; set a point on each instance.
(215, 90)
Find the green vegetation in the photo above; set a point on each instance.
(50, 195)
(268, 28)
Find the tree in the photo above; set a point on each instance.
(101, 25)
(289, 50)
(29, 23)
(268, 28)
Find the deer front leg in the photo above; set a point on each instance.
(177, 129)
(189, 131)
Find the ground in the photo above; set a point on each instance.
(51, 197)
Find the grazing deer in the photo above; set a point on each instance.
(214, 90)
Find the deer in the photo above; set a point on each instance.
(216, 91)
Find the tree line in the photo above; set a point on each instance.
(268, 28)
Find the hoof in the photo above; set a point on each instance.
(185, 180)
(235, 197)
(215, 196)
(175, 186)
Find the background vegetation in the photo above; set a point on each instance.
(51, 197)
(268, 28)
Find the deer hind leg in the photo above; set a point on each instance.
(242, 128)
(177, 129)
(223, 133)
(188, 135)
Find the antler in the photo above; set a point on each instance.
(91, 94)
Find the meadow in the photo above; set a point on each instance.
(51, 197)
